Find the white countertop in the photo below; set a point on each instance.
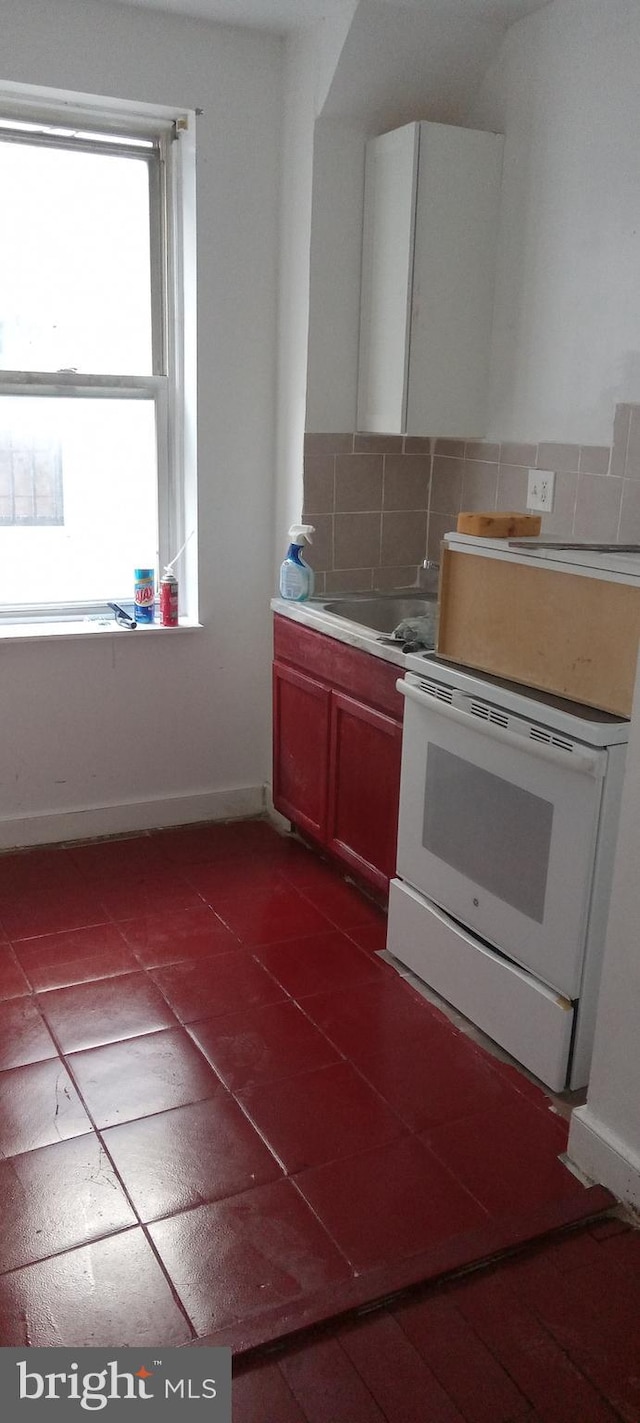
(312, 616)
(619, 567)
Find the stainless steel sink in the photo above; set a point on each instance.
(379, 611)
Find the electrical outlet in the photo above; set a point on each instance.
(540, 489)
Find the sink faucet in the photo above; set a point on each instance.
(428, 574)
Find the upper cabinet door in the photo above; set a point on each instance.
(391, 176)
(453, 281)
(430, 224)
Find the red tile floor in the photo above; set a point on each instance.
(222, 1115)
(549, 1336)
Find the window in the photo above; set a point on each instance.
(30, 480)
(96, 408)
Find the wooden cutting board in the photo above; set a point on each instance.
(501, 525)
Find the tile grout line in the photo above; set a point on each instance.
(530, 1306)
(496, 1359)
(253, 953)
(140, 1223)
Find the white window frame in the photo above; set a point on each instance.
(172, 386)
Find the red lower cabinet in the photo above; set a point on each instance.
(364, 782)
(337, 734)
(301, 709)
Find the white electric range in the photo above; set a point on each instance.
(509, 809)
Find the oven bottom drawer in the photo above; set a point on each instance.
(530, 1021)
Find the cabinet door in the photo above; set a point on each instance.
(364, 788)
(387, 264)
(453, 280)
(300, 749)
(428, 265)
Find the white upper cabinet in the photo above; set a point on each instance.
(428, 265)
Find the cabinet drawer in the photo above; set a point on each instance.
(528, 1020)
(346, 668)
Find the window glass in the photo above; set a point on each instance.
(107, 514)
(75, 261)
(30, 478)
(97, 322)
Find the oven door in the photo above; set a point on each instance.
(498, 826)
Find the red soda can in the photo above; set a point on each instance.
(169, 601)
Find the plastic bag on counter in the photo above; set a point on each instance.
(417, 634)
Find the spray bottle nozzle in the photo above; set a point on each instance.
(169, 566)
(299, 532)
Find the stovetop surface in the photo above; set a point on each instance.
(592, 725)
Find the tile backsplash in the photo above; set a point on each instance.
(382, 503)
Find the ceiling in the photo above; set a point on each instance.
(283, 16)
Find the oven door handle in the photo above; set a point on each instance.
(576, 760)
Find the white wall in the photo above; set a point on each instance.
(563, 86)
(295, 225)
(336, 251)
(328, 40)
(410, 61)
(346, 80)
(170, 726)
(311, 57)
(395, 65)
(565, 90)
(604, 1140)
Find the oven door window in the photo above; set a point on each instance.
(486, 828)
(501, 836)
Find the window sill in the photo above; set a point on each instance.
(88, 627)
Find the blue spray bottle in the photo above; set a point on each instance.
(296, 577)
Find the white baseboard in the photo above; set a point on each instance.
(278, 820)
(127, 816)
(603, 1156)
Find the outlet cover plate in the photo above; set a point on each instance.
(540, 489)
